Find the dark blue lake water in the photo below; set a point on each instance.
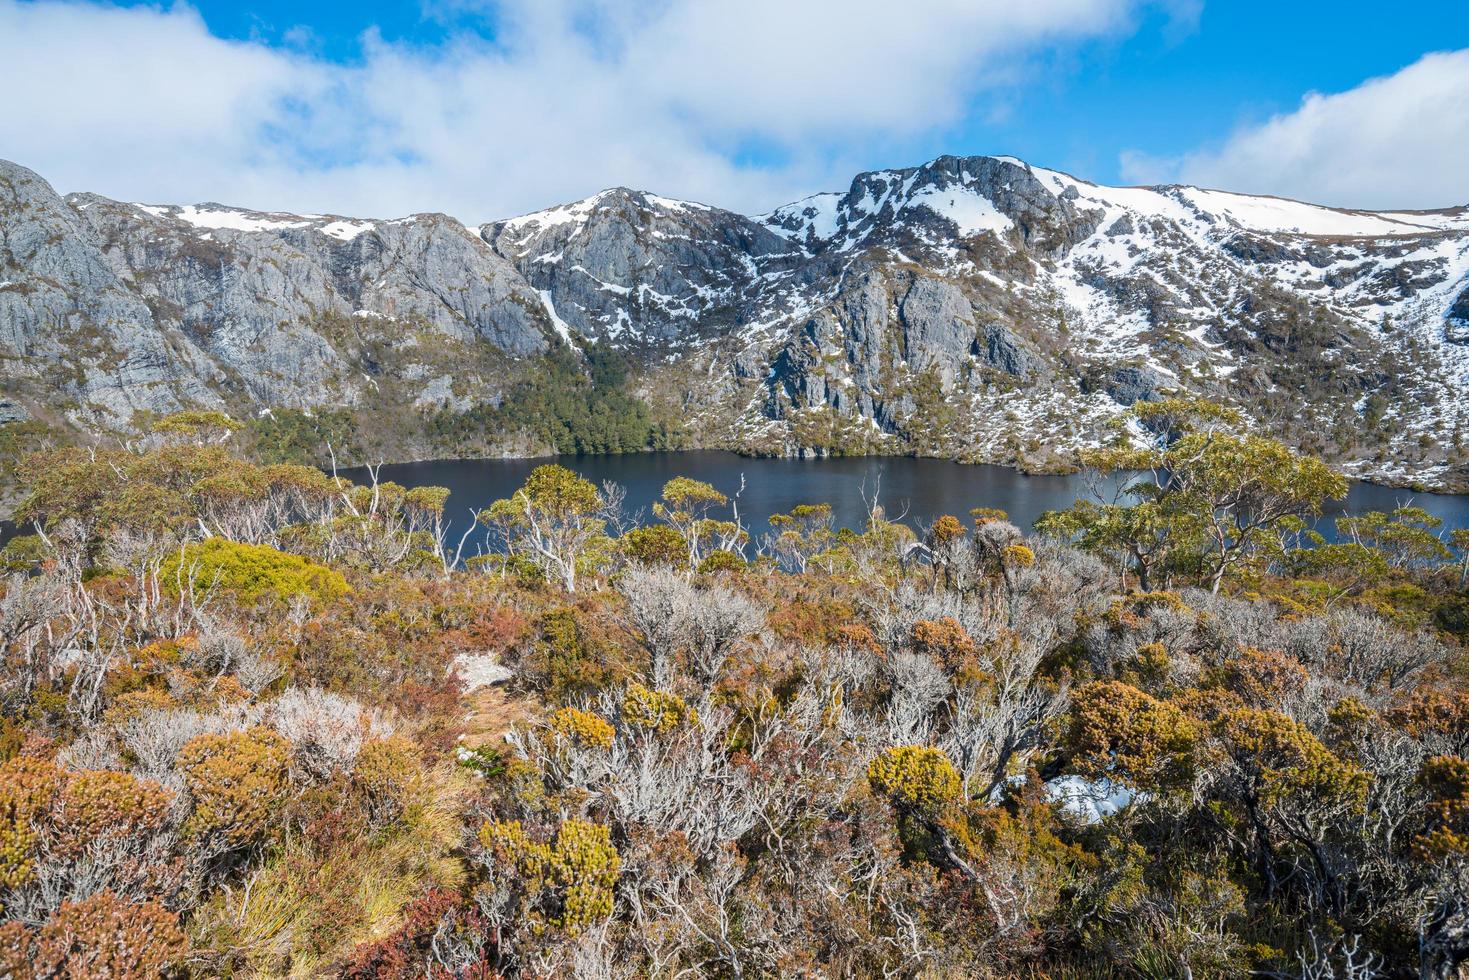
(915, 490)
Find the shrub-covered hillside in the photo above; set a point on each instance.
(260, 722)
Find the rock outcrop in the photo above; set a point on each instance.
(109, 308)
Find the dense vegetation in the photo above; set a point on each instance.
(574, 405)
(291, 435)
(255, 724)
(563, 402)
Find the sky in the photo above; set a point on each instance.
(490, 108)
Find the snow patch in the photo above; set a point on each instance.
(669, 204)
(817, 217)
(567, 214)
(972, 212)
(1276, 214)
(231, 219)
(1089, 801)
(345, 231)
(1451, 219)
(1140, 200)
(562, 329)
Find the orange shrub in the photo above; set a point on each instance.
(101, 936)
(237, 781)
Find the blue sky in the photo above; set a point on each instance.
(490, 107)
(1186, 76)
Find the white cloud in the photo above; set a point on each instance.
(797, 70)
(1400, 141)
(572, 95)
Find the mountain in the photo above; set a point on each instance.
(637, 269)
(978, 307)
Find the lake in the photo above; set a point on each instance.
(913, 490)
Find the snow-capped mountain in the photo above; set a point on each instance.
(1313, 319)
(976, 307)
(640, 269)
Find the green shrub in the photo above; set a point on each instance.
(573, 405)
(237, 780)
(289, 435)
(721, 561)
(915, 777)
(252, 572)
(655, 544)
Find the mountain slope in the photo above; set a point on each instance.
(1305, 316)
(975, 307)
(109, 308)
(639, 269)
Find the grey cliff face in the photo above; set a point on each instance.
(640, 269)
(1046, 305)
(133, 307)
(1027, 307)
(70, 329)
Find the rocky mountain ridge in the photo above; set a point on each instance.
(978, 307)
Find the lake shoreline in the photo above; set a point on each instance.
(1412, 486)
(10, 530)
(913, 490)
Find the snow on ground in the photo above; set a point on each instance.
(1139, 200)
(1254, 212)
(971, 211)
(566, 214)
(601, 283)
(208, 216)
(1089, 801)
(345, 231)
(1276, 214)
(817, 214)
(562, 330)
(669, 204)
(480, 670)
(578, 211)
(1426, 306)
(1448, 219)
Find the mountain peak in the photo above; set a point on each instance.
(974, 195)
(577, 213)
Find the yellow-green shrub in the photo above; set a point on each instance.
(569, 882)
(94, 804)
(72, 809)
(252, 572)
(1122, 733)
(385, 776)
(655, 544)
(656, 711)
(915, 777)
(100, 936)
(582, 727)
(721, 561)
(27, 786)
